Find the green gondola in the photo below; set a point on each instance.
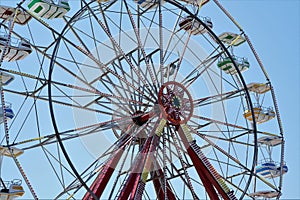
(228, 67)
(49, 10)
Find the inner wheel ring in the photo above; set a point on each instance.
(176, 102)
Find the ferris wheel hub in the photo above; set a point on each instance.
(176, 102)
(140, 118)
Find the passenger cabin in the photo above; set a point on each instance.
(170, 69)
(193, 26)
(270, 169)
(259, 88)
(231, 39)
(12, 190)
(16, 49)
(148, 4)
(4, 151)
(261, 114)
(8, 13)
(268, 194)
(103, 1)
(6, 78)
(196, 2)
(8, 113)
(47, 9)
(228, 67)
(270, 140)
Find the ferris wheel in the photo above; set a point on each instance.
(142, 99)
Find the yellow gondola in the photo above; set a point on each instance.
(231, 38)
(4, 151)
(261, 114)
(12, 190)
(259, 88)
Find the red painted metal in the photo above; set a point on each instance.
(140, 120)
(102, 179)
(158, 189)
(202, 170)
(204, 176)
(105, 174)
(132, 181)
(207, 184)
(158, 177)
(176, 102)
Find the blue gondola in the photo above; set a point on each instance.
(148, 4)
(8, 113)
(270, 169)
(284, 170)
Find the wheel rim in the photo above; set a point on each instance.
(148, 82)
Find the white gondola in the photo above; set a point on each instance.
(7, 13)
(148, 4)
(270, 169)
(196, 2)
(193, 26)
(270, 140)
(228, 67)
(231, 38)
(103, 1)
(6, 78)
(268, 194)
(16, 49)
(170, 69)
(259, 88)
(4, 151)
(49, 10)
(261, 114)
(12, 190)
(9, 114)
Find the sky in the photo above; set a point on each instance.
(274, 28)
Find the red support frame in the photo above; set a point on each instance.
(158, 176)
(207, 178)
(105, 174)
(132, 181)
(131, 187)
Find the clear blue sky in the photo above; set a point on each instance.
(273, 27)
